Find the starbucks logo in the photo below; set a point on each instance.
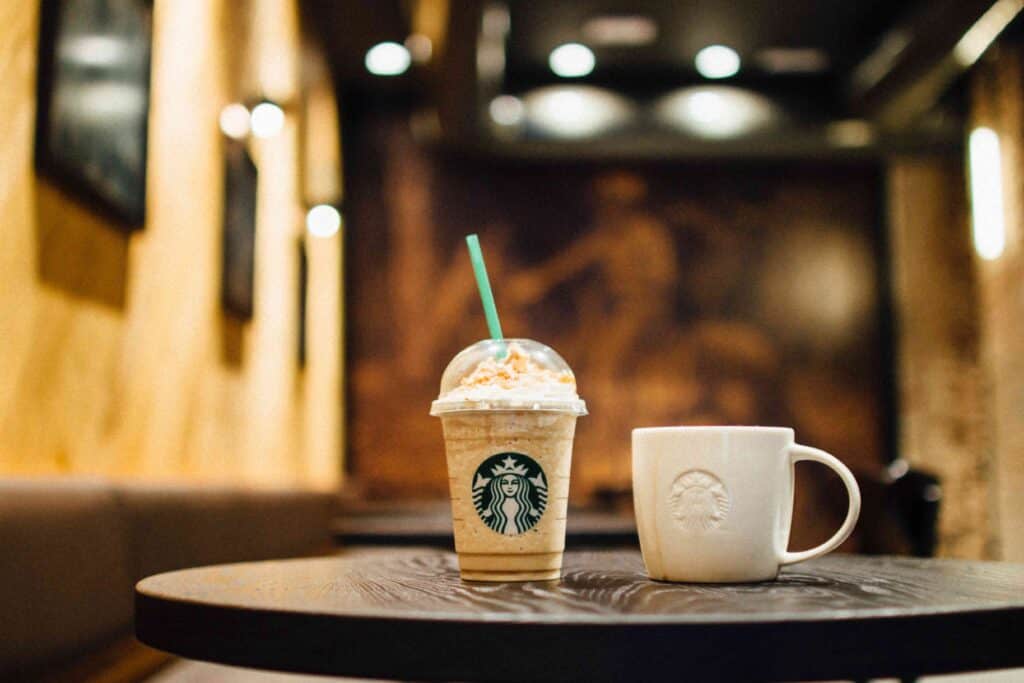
(699, 500)
(510, 493)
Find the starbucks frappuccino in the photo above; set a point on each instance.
(508, 410)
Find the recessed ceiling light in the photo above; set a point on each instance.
(571, 60)
(620, 30)
(717, 61)
(387, 59)
(716, 111)
(575, 111)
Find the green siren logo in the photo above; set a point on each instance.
(510, 493)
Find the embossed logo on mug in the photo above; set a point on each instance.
(699, 500)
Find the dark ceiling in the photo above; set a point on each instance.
(844, 30)
(847, 36)
(348, 28)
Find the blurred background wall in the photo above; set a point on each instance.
(997, 101)
(117, 357)
(681, 293)
(958, 304)
(665, 264)
(880, 111)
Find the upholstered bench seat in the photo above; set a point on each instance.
(65, 569)
(71, 550)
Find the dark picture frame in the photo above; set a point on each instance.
(92, 116)
(238, 232)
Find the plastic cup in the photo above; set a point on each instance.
(509, 455)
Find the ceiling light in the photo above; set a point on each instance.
(387, 59)
(234, 121)
(987, 193)
(984, 31)
(575, 111)
(266, 120)
(506, 110)
(571, 60)
(716, 111)
(323, 220)
(621, 31)
(717, 61)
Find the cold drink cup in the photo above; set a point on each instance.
(508, 410)
(508, 472)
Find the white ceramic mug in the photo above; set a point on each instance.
(714, 504)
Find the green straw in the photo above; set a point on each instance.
(484, 285)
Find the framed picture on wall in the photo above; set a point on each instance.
(239, 232)
(93, 102)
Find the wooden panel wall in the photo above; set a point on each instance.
(942, 404)
(113, 348)
(961, 327)
(998, 102)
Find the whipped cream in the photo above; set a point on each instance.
(512, 381)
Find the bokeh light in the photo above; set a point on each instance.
(575, 111)
(388, 59)
(571, 60)
(323, 220)
(717, 61)
(506, 110)
(234, 121)
(266, 120)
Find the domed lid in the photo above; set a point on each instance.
(508, 374)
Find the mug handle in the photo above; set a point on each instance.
(797, 453)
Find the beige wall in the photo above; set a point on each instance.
(115, 356)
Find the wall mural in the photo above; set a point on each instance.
(696, 293)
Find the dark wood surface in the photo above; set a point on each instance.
(405, 614)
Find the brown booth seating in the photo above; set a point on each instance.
(71, 550)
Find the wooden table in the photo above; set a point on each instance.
(405, 614)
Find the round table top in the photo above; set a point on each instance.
(406, 614)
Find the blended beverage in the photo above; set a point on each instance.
(508, 409)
